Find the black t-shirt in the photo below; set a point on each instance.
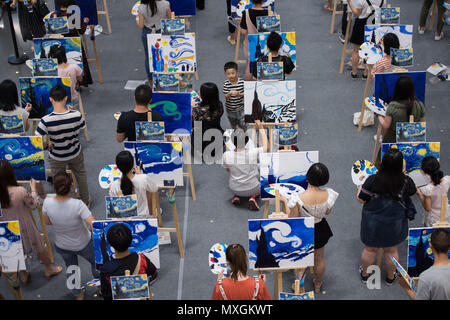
(253, 14)
(288, 65)
(368, 185)
(128, 118)
(117, 267)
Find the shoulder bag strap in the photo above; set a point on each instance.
(222, 292)
(255, 293)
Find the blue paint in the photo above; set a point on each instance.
(385, 85)
(175, 109)
(183, 7)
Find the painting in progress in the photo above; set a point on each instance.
(287, 169)
(130, 287)
(72, 45)
(411, 132)
(301, 296)
(420, 255)
(11, 124)
(177, 52)
(281, 243)
(183, 7)
(36, 91)
(145, 239)
(286, 135)
(159, 160)
(58, 25)
(166, 82)
(173, 27)
(387, 15)
(374, 33)
(149, 131)
(26, 156)
(217, 259)
(404, 274)
(402, 57)
(385, 84)
(270, 71)
(268, 23)
(45, 68)
(239, 6)
(413, 154)
(176, 110)
(257, 47)
(121, 207)
(11, 250)
(270, 101)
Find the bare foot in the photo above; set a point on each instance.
(52, 271)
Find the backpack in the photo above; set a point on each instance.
(372, 10)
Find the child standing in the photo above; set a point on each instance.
(390, 40)
(233, 89)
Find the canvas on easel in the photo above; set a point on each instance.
(387, 15)
(239, 6)
(71, 44)
(121, 206)
(11, 124)
(183, 8)
(45, 68)
(411, 132)
(402, 57)
(12, 257)
(286, 134)
(132, 287)
(176, 109)
(270, 71)
(300, 296)
(164, 82)
(268, 23)
(173, 27)
(149, 130)
(58, 25)
(385, 84)
(377, 32)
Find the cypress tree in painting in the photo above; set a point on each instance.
(265, 258)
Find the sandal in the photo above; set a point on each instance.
(354, 76)
(48, 276)
(317, 288)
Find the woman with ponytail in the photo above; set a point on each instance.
(133, 182)
(431, 194)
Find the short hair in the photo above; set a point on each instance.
(65, 3)
(119, 237)
(62, 183)
(143, 95)
(318, 175)
(390, 40)
(230, 65)
(257, 1)
(58, 93)
(274, 41)
(440, 240)
(58, 52)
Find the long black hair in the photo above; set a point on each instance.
(431, 166)
(405, 91)
(7, 179)
(9, 98)
(390, 179)
(125, 163)
(58, 52)
(152, 5)
(209, 94)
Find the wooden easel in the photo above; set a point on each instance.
(105, 12)
(433, 14)
(345, 51)
(94, 45)
(83, 114)
(13, 282)
(127, 273)
(333, 16)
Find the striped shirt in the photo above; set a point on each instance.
(62, 130)
(235, 103)
(381, 66)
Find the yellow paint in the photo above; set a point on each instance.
(36, 142)
(290, 36)
(13, 226)
(435, 146)
(190, 57)
(66, 82)
(177, 146)
(422, 152)
(165, 43)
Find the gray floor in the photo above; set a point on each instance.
(325, 107)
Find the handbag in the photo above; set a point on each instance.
(407, 204)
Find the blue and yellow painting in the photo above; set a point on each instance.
(286, 135)
(88, 10)
(11, 251)
(58, 25)
(11, 124)
(166, 82)
(288, 168)
(270, 71)
(411, 132)
(281, 243)
(173, 27)
(268, 23)
(301, 296)
(420, 255)
(257, 47)
(36, 91)
(45, 67)
(145, 239)
(71, 44)
(177, 52)
(26, 155)
(402, 57)
(149, 130)
(159, 160)
(374, 33)
(385, 84)
(121, 207)
(239, 6)
(387, 15)
(404, 274)
(130, 287)
(183, 7)
(176, 110)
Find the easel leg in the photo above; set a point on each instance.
(177, 226)
(86, 132)
(97, 61)
(83, 38)
(238, 42)
(158, 210)
(266, 209)
(344, 49)
(377, 144)
(363, 106)
(13, 285)
(333, 17)
(105, 5)
(278, 285)
(433, 14)
(44, 230)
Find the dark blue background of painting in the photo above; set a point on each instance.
(385, 85)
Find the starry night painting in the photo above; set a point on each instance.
(413, 154)
(268, 23)
(183, 7)
(411, 132)
(270, 71)
(281, 243)
(374, 33)
(160, 160)
(387, 15)
(301, 296)
(88, 10)
(11, 250)
(149, 130)
(402, 57)
(26, 155)
(145, 239)
(166, 82)
(121, 207)
(131, 287)
(36, 90)
(45, 68)
(11, 124)
(71, 44)
(385, 84)
(177, 52)
(420, 256)
(176, 110)
(286, 168)
(270, 101)
(257, 47)
(286, 135)
(58, 25)
(239, 6)
(173, 27)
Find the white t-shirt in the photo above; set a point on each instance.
(67, 218)
(141, 184)
(161, 13)
(435, 193)
(17, 111)
(243, 165)
(366, 11)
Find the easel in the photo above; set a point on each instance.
(12, 280)
(150, 294)
(105, 12)
(94, 45)
(333, 16)
(344, 49)
(432, 15)
(83, 114)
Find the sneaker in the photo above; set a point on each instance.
(390, 282)
(438, 37)
(252, 204)
(363, 278)
(233, 42)
(420, 30)
(342, 37)
(236, 200)
(375, 138)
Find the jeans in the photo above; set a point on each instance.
(344, 19)
(71, 259)
(424, 14)
(145, 32)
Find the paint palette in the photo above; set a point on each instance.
(107, 175)
(371, 52)
(217, 259)
(286, 189)
(117, 115)
(134, 10)
(376, 105)
(361, 170)
(97, 30)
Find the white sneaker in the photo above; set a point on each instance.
(438, 37)
(421, 31)
(375, 138)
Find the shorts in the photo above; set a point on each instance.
(357, 36)
(237, 119)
